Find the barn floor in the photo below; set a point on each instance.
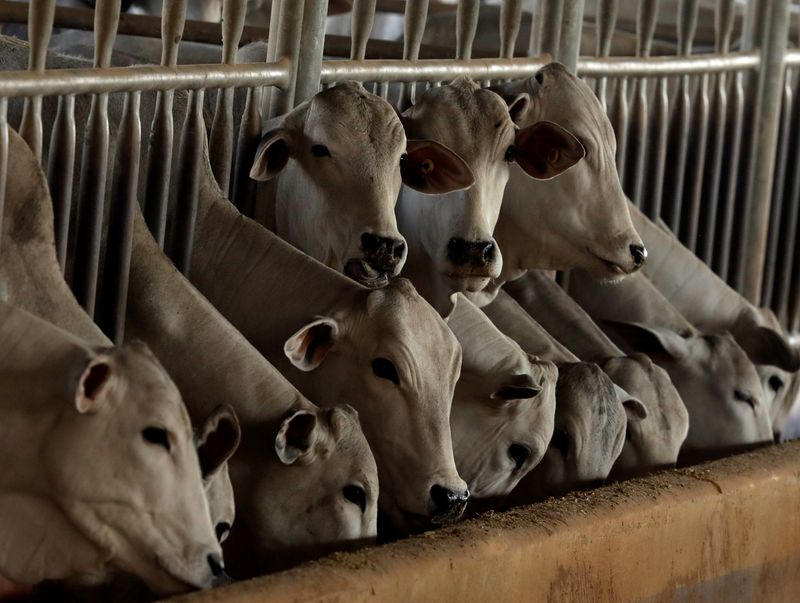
(724, 531)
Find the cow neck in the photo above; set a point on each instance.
(29, 267)
(688, 283)
(551, 306)
(209, 360)
(512, 320)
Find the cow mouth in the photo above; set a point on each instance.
(472, 283)
(611, 270)
(361, 272)
(172, 572)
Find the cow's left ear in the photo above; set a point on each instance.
(307, 348)
(94, 383)
(431, 167)
(764, 344)
(545, 150)
(218, 439)
(518, 107)
(272, 155)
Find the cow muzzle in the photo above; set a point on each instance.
(383, 257)
(446, 505)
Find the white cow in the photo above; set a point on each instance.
(502, 415)
(715, 378)
(579, 219)
(451, 244)
(101, 471)
(338, 160)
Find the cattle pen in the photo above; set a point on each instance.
(708, 141)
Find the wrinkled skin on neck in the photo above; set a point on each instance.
(713, 375)
(142, 509)
(502, 416)
(588, 437)
(272, 293)
(579, 219)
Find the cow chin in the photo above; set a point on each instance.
(607, 271)
(364, 274)
(467, 283)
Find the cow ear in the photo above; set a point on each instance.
(765, 345)
(656, 342)
(634, 408)
(432, 168)
(545, 150)
(94, 383)
(518, 107)
(272, 155)
(218, 439)
(296, 437)
(307, 348)
(521, 387)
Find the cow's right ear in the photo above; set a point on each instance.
(218, 439)
(94, 383)
(656, 342)
(272, 155)
(432, 168)
(307, 348)
(764, 344)
(296, 437)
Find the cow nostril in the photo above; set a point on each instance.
(488, 252)
(370, 242)
(215, 563)
(519, 454)
(639, 254)
(399, 249)
(446, 501)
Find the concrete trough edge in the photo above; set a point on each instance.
(723, 531)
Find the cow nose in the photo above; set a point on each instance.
(639, 254)
(215, 563)
(386, 252)
(447, 503)
(474, 253)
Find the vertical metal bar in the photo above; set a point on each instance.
(790, 258)
(246, 146)
(510, 18)
(290, 29)
(162, 130)
(466, 26)
(605, 24)
(552, 12)
(363, 17)
(61, 172)
(569, 43)
(697, 163)
(94, 166)
(619, 120)
(414, 28)
(767, 120)
(116, 273)
(309, 63)
(221, 136)
(272, 49)
(191, 158)
(3, 160)
(638, 145)
(40, 27)
(652, 203)
(723, 26)
(537, 21)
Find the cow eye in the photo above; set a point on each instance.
(319, 150)
(403, 158)
(560, 441)
(775, 383)
(222, 529)
(157, 436)
(356, 495)
(743, 397)
(519, 454)
(509, 153)
(384, 369)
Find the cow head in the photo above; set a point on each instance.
(456, 230)
(390, 354)
(340, 158)
(580, 219)
(657, 422)
(144, 502)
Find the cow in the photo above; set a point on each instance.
(450, 237)
(65, 404)
(338, 160)
(579, 219)
(654, 440)
(385, 351)
(715, 378)
(502, 415)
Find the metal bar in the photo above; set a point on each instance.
(3, 160)
(191, 158)
(724, 19)
(696, 165)
(116, 273)
(619, 119)
(414, 28)
(162, 130)
(791, 256)
(40, 27)
(310, 59)
(61, 173)
(767, 120)
(466, 26)
(652, 204)
(552, 13)
(94, 167)
(272, 50)
(510, 19)
(537, 24)
(605, 24)
(362, 20)
(288, 46)
(569, 42)
(221, 136)
(246, 146)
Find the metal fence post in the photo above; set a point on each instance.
(569, 43)
(309, 63)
